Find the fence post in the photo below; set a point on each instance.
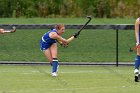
(117, 42)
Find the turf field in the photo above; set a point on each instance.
(91, 46)
(71, 79)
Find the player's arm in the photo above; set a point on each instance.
(62, 44)
(60, 39)
(137, 23)
(59, 42)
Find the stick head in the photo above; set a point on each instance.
(89, 17)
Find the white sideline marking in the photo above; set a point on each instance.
(61, 89)
(36, 71)
(77, 72)
(72, 89)
(48, 71)
(66, 89)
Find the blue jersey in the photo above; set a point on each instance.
(46, 41)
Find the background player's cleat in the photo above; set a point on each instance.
(136, 79)
(139, 76)
(54, 74)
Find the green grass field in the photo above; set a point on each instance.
(92, 45)
(66, 20)
(71, 79)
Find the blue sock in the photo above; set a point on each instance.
(137, 62)
(54, 65)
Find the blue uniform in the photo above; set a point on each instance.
(46, 41)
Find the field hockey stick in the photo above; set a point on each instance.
(78, 32)
(10, 31)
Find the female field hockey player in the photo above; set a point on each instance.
(2, 31)
(49, 46)
(137, 59)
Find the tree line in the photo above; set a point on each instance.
(69, 8)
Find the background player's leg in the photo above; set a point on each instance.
(137, 64)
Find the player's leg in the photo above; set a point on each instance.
(53, 61)
(137, 64)
(46, 50)
(48, 54)
(53, 50)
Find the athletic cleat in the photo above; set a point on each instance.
(136, 71)
(54, 74)
(136, 79)
(139, 76)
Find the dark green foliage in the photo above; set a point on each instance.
(69, 8)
